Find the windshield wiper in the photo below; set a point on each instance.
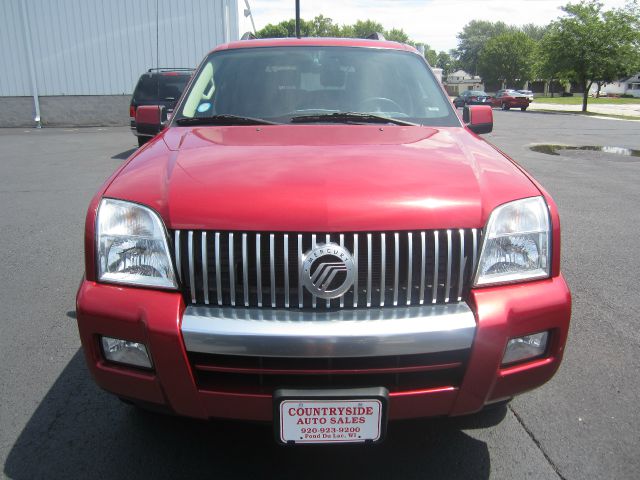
(349, 116)
(224, 119)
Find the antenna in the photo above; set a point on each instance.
(297, 18)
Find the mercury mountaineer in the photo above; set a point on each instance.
(316, 232)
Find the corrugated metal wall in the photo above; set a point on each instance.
(100, 47)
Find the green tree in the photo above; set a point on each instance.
(396, 35)
(286, 28)
(431, 55)
(533, 31)
(364, 28)
(592, 45)
(446, 62)
(473, 38)
(509, 58)
(322, 26)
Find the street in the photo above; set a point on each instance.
(56, 423)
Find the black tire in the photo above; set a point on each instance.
(142, 141)
(505, 107)
(524, 109)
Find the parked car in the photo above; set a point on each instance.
(527, 93)
(507, 99)
(472, 97)
(158, 86)
(317, 240)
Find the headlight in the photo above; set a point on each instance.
(132, 246)
(516, 244)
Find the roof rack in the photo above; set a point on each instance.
(168, 69)
(376, 36)
(248, 36)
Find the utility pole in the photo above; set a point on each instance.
(297, 18)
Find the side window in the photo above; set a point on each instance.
(147, 88)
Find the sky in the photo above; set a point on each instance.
(434, 22)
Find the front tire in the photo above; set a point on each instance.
(142, 141)
(524, 109)
(505, 107)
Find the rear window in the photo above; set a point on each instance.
(160, 87)
(278, 83)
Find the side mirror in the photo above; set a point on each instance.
(479, 118)
(150, 119)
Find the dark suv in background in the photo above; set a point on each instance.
(158, 86)
(472, 97)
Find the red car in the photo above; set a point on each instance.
(508, 99)
(317, 239)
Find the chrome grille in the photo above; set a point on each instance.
(263, 269)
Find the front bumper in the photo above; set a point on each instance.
(174, 333)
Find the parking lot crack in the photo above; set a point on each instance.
(537, 443)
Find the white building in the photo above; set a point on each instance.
(77, 61)
(624, 86)
(459, 81)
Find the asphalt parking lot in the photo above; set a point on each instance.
(55, 423)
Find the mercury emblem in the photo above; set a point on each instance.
(328, 271)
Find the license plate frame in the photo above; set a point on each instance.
(371, 405)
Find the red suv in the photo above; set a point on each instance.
(317, 239)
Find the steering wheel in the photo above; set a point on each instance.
(378, 101)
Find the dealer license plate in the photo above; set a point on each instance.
(330, 420)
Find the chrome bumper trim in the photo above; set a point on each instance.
(344, 333)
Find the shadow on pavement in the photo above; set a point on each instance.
(124, 155)
(78, 431)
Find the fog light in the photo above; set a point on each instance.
(524, 348)
(126, 352)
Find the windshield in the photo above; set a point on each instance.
(281, 83)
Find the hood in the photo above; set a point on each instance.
(322, 178)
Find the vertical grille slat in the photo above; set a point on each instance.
(436, 265)
(356, 292)
(272, 270)
(342, 245)
(177, 254)
(192, 276)
(423, 264)
(447, 287)
(409, 267)
(300, 254)
(205, 267)
(383, 263)
(369, 272)
(286, 271)
(232, 272)
(265, 269)
(396, 267)
(258, 271)
(474, 232)
(218, 270)
(327, 241)
(463, 262)
(245, 271)
(313, 245)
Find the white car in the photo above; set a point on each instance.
(527, 93)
